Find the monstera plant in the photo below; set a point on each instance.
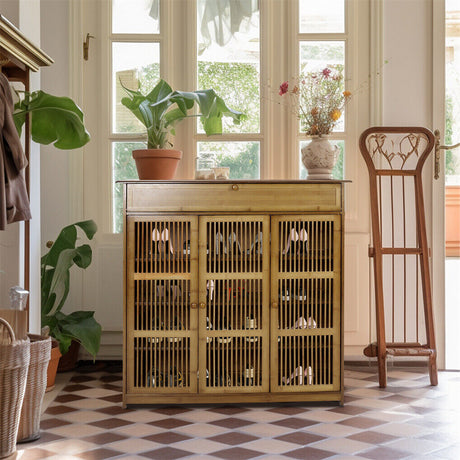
(55, 278)
(53, 119)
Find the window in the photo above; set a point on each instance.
(322, 43)
(241, 49)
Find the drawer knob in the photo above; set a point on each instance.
(274, 305)
(202, 305)
(235, 187)
(193, 305)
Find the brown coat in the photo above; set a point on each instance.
(14, 201)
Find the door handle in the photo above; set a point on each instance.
(437, 151)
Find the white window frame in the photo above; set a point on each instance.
(279, 135)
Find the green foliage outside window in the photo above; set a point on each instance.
(238, 84)
(452, 161)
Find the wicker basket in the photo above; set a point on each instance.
(40, 353)
(14, 366)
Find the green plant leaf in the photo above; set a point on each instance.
(67, 239)
(159, 115)
(54, 119)
(82, 327)
(55, 265)
(161, 91)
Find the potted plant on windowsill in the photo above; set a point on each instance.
(78, 326)
(160, 111)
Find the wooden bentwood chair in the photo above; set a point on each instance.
(404, 312)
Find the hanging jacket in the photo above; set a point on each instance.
(14, 201)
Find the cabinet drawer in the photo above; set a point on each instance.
(197, 196)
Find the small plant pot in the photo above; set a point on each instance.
(53, 365)
(68, 361)
(156, 164)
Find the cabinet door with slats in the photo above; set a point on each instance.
(233, 304)
(161, 313)
(305, 294)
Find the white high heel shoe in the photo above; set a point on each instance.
(300, 374)
(256, 246)
(163, 244)
(303, 245)
(233, 245)
(291, 242)
(302, 323)
(166, 242)
(219, 246)
(210, 289)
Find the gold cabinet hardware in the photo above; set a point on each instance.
(274, 305)
(86, 46)
(193, 305)
(202, 305)
(437, 152)
(235, 187)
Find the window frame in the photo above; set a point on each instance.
(279, 58)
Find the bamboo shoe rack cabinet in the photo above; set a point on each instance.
(233, 291)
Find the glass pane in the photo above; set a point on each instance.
(229, 59)
(338, 170)
(243, 158)
(316, 56)
(135, 65)
(325, 16)
(135, 17)
(123, 168)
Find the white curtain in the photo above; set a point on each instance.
(219, 19)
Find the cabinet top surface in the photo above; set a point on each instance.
(233, 181)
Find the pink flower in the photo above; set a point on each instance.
(283, 88)
(326, 72)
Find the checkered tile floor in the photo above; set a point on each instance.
(407, 420)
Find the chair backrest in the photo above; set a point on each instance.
(395, 157)
(396, 148)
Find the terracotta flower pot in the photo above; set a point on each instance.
(53, 365)
(68, 361)
(156, 164)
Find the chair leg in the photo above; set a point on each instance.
(382, 362)
(433, 370)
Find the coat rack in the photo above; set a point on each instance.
(404, 311)
(18, 57)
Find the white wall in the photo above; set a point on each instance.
(10, 9)
(55, 80)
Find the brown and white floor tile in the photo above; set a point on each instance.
(408, 420)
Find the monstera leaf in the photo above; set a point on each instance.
(54, 119)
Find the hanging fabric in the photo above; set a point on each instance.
(14, 201)
(219, 20)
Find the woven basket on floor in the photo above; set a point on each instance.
(14, 366)
(40, 353)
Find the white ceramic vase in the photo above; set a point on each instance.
(319, 158)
